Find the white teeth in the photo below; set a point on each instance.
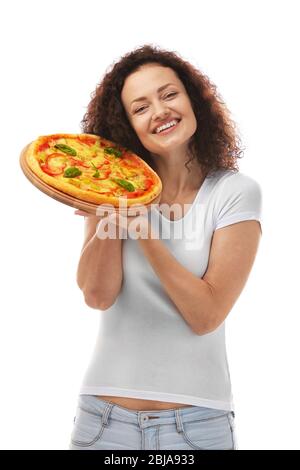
(166, 126)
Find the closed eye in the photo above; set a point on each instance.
(170, 94)
(173, 93)
(138, 110)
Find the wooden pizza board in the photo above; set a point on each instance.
(67, 198)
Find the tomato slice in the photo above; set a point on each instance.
(77, 162)
(105, 163)
(56, 161)
(87, 139)
(51, 172)
(43, 147)
(54, 164)
(133, 194)
(131, 163)
(148, 183)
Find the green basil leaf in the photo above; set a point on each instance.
(66, 149)
(125, 184)
(72, 171)
(113, 151)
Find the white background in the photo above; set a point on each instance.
(53, 55)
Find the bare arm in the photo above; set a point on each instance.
(205, 302)
(99, 273)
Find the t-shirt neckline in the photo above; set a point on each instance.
(192, 205)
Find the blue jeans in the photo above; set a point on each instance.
(99, 424)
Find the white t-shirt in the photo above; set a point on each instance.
(145, 349)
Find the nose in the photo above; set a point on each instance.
(160, 112)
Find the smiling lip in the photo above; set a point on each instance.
(169, 129)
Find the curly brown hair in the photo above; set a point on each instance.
(215, 144)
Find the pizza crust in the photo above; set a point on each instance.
(85, 195)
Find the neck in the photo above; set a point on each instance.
(177, 180)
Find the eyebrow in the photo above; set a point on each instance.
(158, 90)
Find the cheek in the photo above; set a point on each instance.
(194, 120)
(141, 127)
(188, 107)
(191, 114)
(185, 104)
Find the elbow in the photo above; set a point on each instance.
(203, 330)
(91, 297)
(205, 325)
(211, 324)
(93, 301)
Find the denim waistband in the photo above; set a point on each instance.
(143, 419)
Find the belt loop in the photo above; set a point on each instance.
(140, 419)
(179, 425)
(106, 413)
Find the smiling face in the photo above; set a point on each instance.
(154, 96)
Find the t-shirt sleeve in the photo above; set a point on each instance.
(239, 199)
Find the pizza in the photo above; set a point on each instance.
(92, 169)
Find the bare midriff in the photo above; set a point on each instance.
(137, 404)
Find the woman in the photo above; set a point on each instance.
(159, 377)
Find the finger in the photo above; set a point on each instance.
(79, 212)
